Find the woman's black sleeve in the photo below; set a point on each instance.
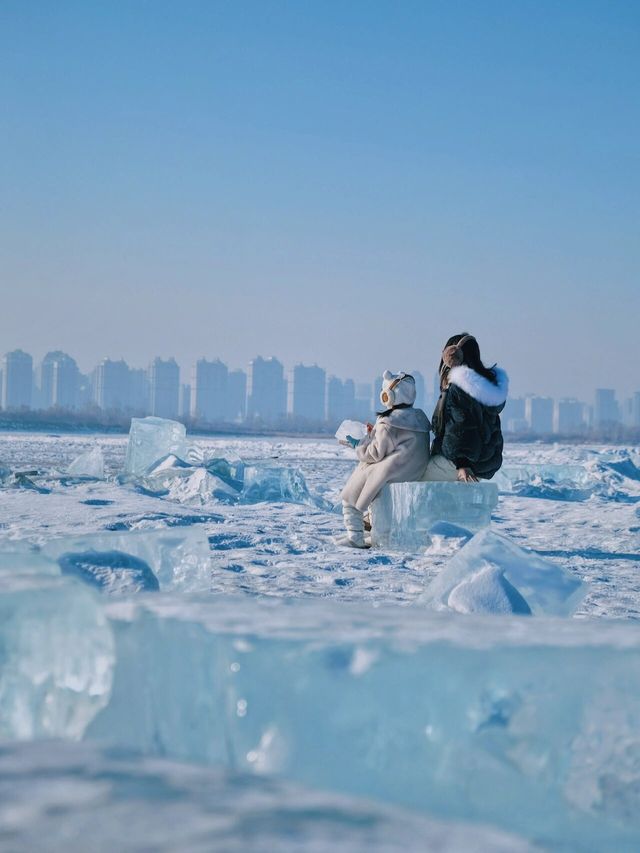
(462, 442)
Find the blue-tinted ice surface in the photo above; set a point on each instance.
(150, 439)
(155, 463)
(89, 464)
(404, 514)
(113, 571)
(90, 799)
(132, 561)
(56, 651)
(532, 725)
(473, 581)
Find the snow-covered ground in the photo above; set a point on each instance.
(286, 549)
(529, 725)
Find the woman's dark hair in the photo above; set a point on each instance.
(471, 353)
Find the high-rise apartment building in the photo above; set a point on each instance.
(17, 380)
(139, 391)
(267, 397)
(309, 393)
(513, 415)
(164, 388)
(59, 381)
(539, 414)
(338, 407)
(569, 417)
(210, 386)
(606, 410)
(111, 385)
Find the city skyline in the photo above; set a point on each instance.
(267, 392)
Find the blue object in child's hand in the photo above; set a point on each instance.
(352, 441)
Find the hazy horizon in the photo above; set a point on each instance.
(346, 184)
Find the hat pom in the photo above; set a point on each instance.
(452, 356)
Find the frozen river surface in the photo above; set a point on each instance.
(307, 699)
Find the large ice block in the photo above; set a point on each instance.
(56, 654)
(150, 439)
(178, 557)
(89, 465)
(545, 587)
(529, 724)
(403, 514)
(63, 797)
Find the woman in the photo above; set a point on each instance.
(466, 421)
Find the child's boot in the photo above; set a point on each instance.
(354, 522)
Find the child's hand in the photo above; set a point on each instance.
(369, 427)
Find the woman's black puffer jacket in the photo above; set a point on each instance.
(467, 421)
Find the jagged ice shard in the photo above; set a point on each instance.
(404, 513)
(88, 465)
(530, 725)
(464, 583)
(150, 439)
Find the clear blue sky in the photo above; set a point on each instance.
(341, 182)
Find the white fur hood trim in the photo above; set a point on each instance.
(478, 387)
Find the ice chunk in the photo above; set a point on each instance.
(511, 477)
(529, 724)
(185, 484)
(111, 571)
(151, 439)
(22, 480)
(57, 656)
(89, 464)
(275, 484)
(355, 429)
(178, 557)
(545, 586)
(65, 797)
(404, 513)
(487, 591)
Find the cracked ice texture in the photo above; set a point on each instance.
(89, 464)
(531, 725)
(179, 558)
(150, 439)
(404, 513)
(57, 654)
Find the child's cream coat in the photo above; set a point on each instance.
(396, 451)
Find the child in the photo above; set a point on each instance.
(396, 450)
